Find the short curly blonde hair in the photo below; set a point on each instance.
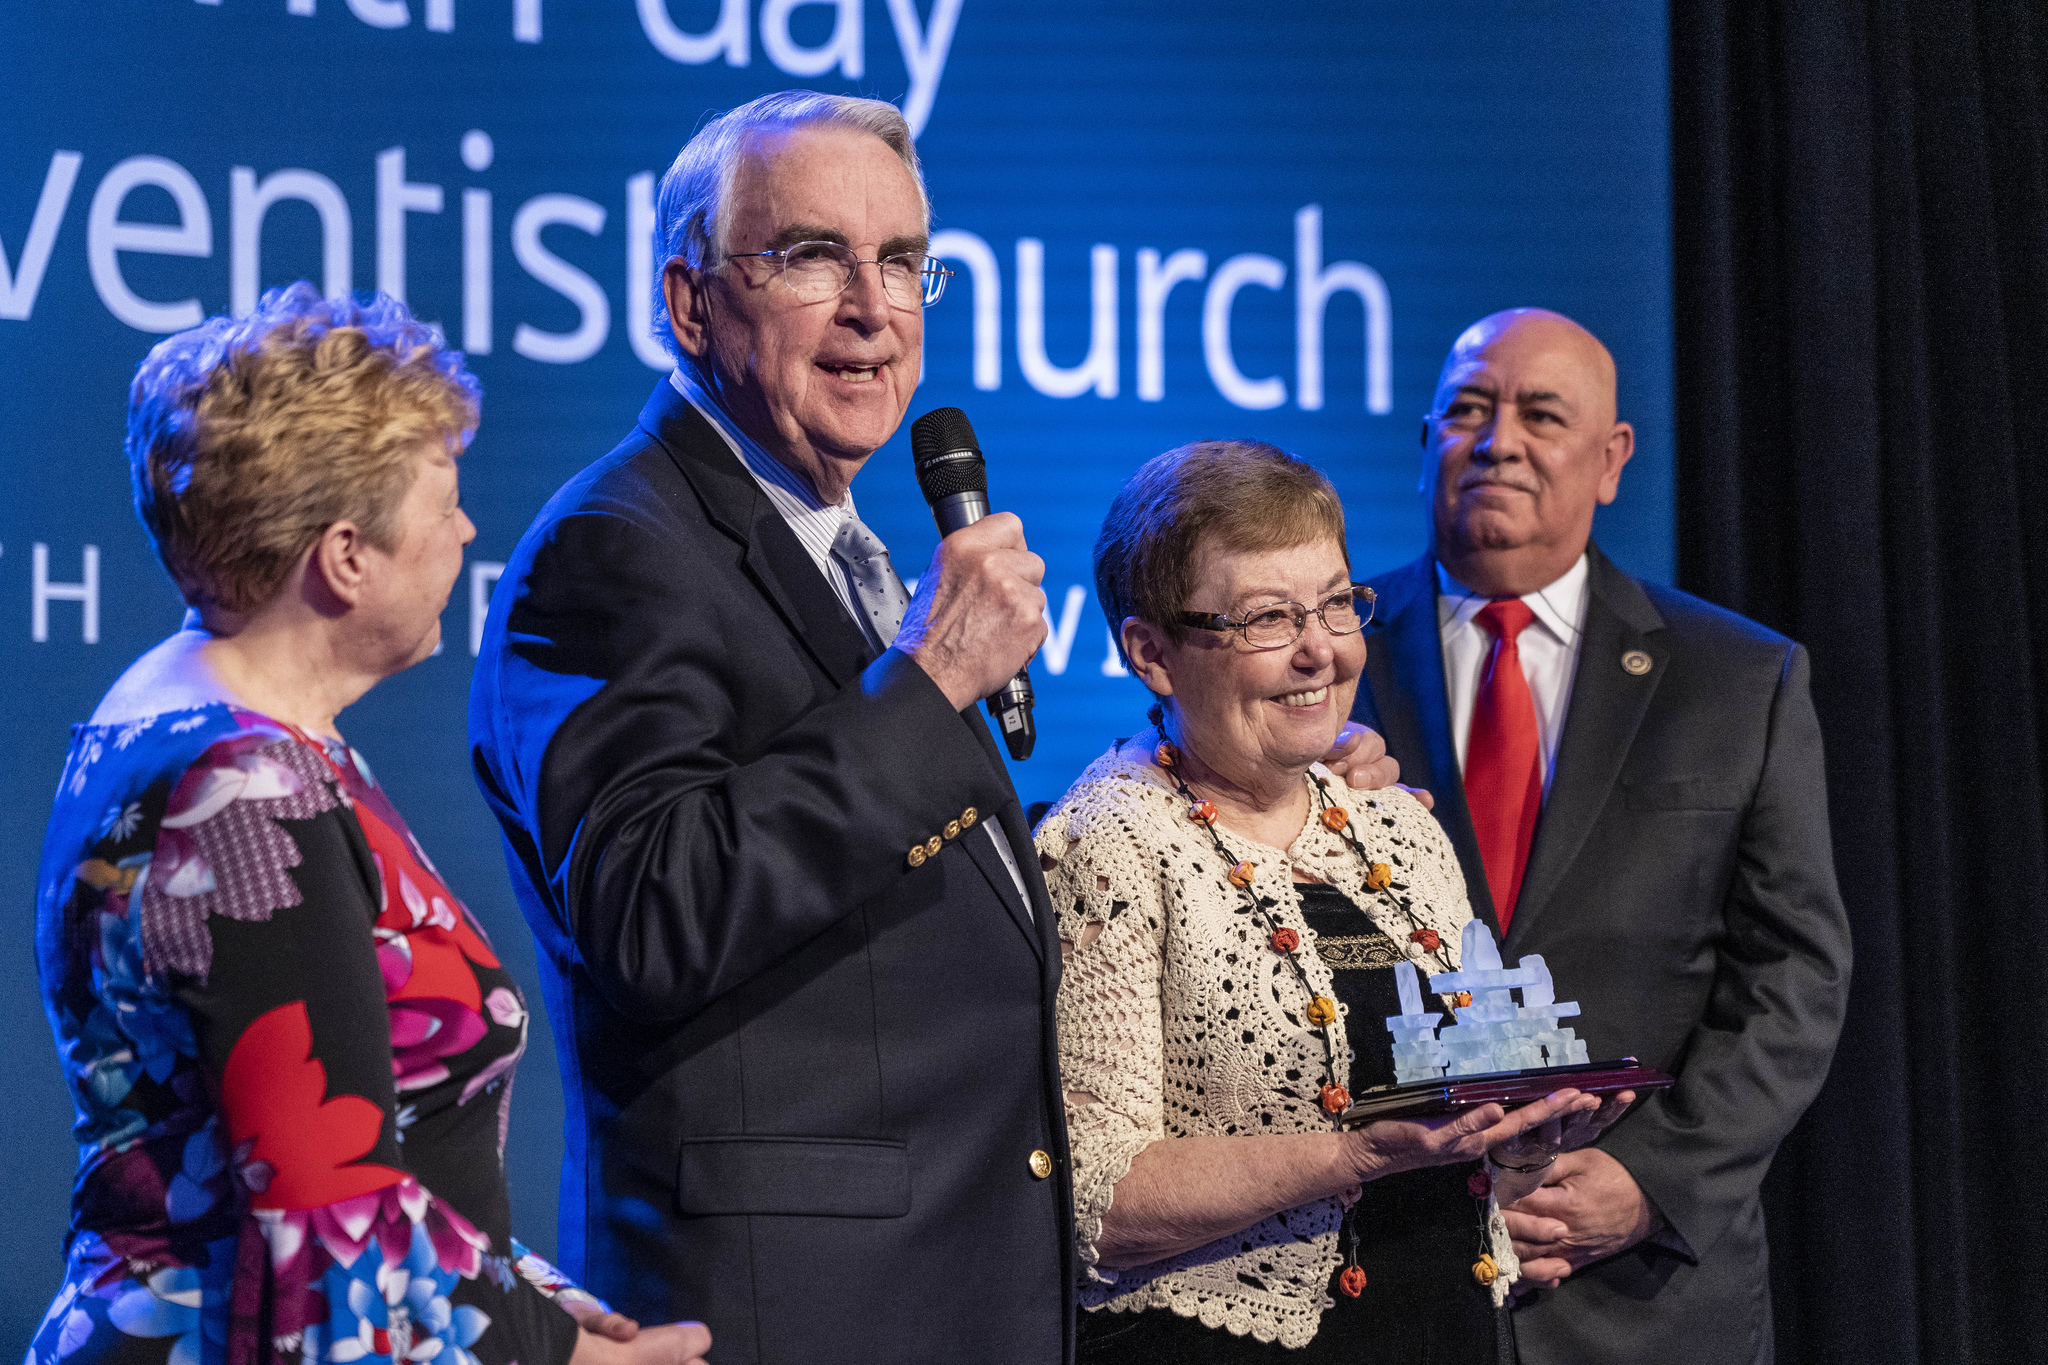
(248, 437)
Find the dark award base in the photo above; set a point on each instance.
(1509, 1089)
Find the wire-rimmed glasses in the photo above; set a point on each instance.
(817, 271)
(1281, 624)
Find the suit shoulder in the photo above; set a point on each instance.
(1387, 580)
(635, 480)
(626, 529)
(1704, 625)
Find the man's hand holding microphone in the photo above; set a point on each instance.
(985, 606)
(979, 612)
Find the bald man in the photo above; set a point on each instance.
(1633, 780)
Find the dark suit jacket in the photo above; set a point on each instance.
(805, 1079)
(1681, 888)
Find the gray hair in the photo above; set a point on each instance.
(690, 212)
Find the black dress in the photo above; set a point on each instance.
(1416, 1234)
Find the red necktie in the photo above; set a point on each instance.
(1503, 780)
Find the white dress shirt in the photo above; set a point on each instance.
(1549, 647)
(816, 525)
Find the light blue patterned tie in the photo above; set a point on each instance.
(877, 591)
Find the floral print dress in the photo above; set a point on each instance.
(291, 1050)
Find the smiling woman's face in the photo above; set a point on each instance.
(1253, 715)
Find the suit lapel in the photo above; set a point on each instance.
(1404, 668)
(773, 557)
(1606, 707)
(788, 577)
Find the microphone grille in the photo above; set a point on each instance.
(946, 455)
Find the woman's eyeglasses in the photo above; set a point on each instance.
(1280, 625)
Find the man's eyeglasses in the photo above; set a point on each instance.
(1280, 625)
(817, 271)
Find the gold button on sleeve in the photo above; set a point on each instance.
(932, 846)
(952, 830)
(968, 817)
(917, 855)
(1041, 1164)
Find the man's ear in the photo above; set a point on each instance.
(1621, 444)
(336, 569)
(689, 311)
(1145, 648)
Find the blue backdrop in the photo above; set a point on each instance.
(1171, 221)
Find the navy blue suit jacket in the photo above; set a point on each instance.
(1681, 887)
(805, 1077)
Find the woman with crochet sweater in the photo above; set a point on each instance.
(1229, 915)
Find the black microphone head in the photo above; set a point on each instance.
(940, 432)
(946, 455)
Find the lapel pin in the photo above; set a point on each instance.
(1635, 663)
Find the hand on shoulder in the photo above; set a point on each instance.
(1361, 759)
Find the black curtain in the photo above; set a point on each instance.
(1861, 253)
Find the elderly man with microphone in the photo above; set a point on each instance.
(798, 959)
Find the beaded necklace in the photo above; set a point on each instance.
(1322, 1011)
(1379, 880)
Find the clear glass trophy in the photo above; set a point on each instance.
(1500, 1050)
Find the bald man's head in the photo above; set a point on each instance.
(1537, 326)
(1521, 445)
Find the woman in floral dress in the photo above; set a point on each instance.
(290, 1046)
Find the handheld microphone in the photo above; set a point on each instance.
(954, 478)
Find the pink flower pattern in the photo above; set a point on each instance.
(163, 835)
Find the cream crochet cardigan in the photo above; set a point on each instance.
(1180, 1020)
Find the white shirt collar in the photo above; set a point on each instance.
(1560, 605)
(1549, 656)
(815, 524)
(764, 467)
